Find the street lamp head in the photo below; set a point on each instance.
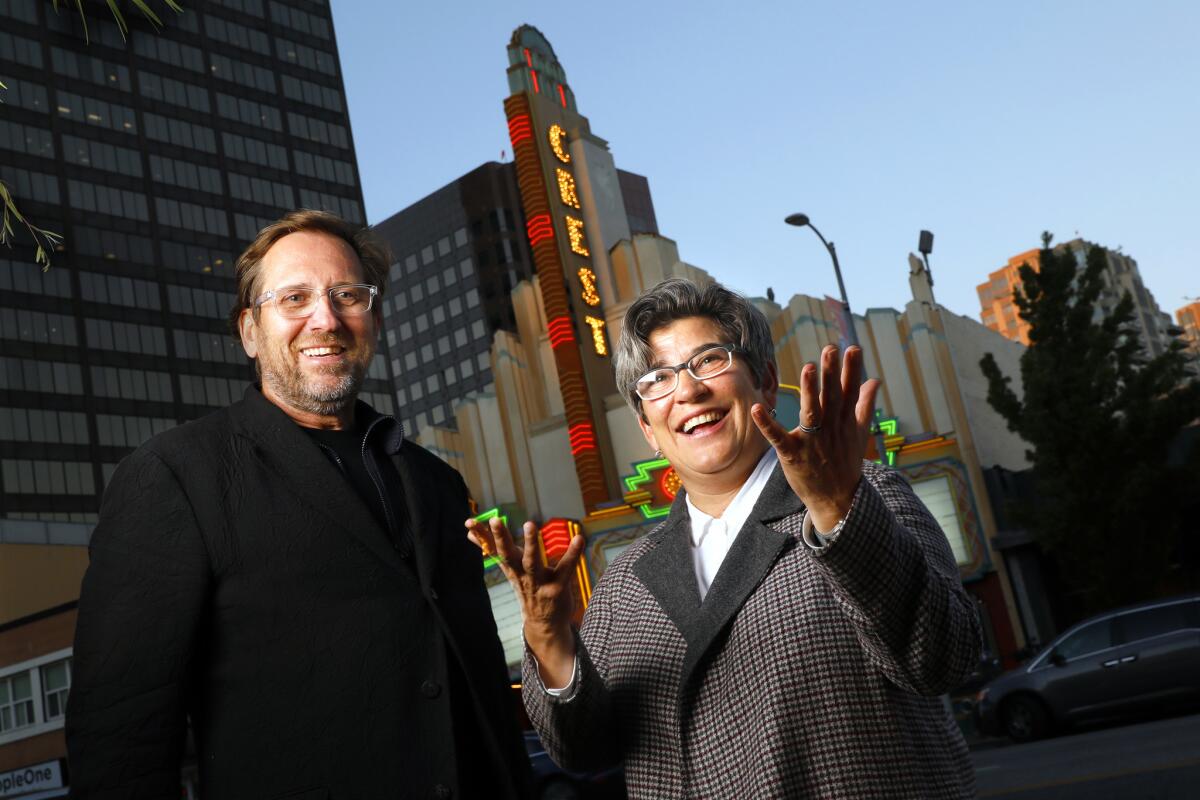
(925, 243)
(799, 220)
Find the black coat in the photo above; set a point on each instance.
(237, 578)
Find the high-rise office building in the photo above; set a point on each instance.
(458, 254)
(999, 309)
(157, 159)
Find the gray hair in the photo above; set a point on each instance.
(678, 298)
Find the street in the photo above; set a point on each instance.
(1157, 760)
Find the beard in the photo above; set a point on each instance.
(327, 392)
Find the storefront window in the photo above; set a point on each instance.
(938, 497)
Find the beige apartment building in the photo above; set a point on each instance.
(998, 309)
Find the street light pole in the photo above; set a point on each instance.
(802, 221)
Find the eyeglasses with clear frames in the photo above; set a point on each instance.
(706, 364)
(346, 299)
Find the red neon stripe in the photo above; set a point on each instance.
(536, 88)
(528, 58)
(519, 128)
(582, 437)
(556, 544)
(560, 331)
(556, 537)
(562, 96)
(539, 229)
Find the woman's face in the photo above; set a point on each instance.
(704, 427)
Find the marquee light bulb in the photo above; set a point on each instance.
(558, 143)
(575, 236)
(566, 188)
(598, 341)
(588, 279)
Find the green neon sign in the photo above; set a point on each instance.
(632, 482)
(492, 513)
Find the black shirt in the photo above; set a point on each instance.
(361, 455)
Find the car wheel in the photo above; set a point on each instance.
(1025, 718)
(558, 789)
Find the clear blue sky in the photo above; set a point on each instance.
(986, 123)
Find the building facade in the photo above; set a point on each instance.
(1188, 318)
(998, 309)
(457, 254)
(157, 160)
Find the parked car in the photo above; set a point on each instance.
(553, 783)
(1131, 661)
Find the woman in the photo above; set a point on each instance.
(788, 629)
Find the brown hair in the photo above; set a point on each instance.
(372, 253)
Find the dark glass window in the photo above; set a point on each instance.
(26, 139)
(108, 200)
(172, 91)
(237, 35)
(21, 50)
(89, 68)
(1088, 639)
(1153, 622)
(90, 153)
(152, 45)
(176, 172)
(180, 133)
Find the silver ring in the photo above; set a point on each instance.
(807, 429)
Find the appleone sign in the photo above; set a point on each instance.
(35, 778)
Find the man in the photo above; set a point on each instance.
(788, 629)
(288, 574)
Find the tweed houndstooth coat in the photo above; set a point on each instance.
(802, 674)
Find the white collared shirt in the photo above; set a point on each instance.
(713, 536)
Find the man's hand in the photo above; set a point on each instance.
(542, 591)
(824, 466)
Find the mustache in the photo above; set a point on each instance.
(327, 340)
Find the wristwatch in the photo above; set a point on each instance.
(810, 532)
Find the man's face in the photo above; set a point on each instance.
(704, 428)
(311, 366)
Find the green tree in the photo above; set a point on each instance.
(1100, 418)
(11, 218)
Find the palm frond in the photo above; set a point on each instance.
(43, 239)
(118, 16)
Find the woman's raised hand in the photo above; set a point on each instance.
(543, 592)
(822, 456)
